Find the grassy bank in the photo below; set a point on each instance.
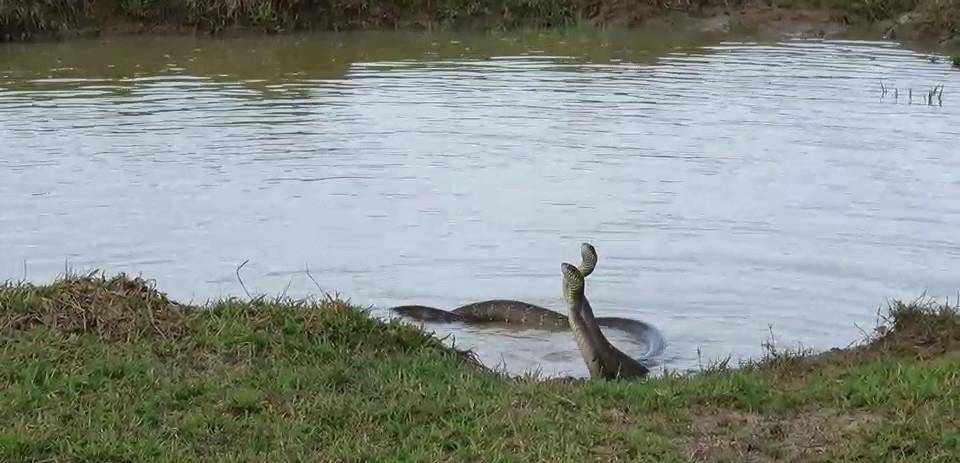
(97, 369)
(22, 19)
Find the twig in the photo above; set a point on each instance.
(315, 282)
(723, 364)
(772, 345)
(567, 401)
(501, 366)
(14, 322)
(153, 322)
(866, 336)
(453, 339)
(241, 279)
(283, 294)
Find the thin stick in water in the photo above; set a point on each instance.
(241, 279)
(316, 283)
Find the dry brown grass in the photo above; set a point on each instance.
(808, 436)
(116, 308)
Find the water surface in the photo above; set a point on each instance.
(729, 186)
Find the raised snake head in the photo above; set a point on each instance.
(572, 283)
(589, 256)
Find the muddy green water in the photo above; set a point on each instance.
(729, 186)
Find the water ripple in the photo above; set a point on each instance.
(728, 186)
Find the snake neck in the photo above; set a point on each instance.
(604, 361)
(586, 342)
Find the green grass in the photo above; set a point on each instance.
(108, 369)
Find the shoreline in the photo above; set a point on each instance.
(98, 368)
(931, 22)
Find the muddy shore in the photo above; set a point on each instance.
(934, 22)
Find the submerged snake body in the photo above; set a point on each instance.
(529, 315)
(512, 312)
(502, 310)
(602, 358)
(491, 311)
(427, 314)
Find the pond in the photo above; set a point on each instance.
(733, 188)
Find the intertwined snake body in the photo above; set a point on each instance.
(523, 314)
(604, 361)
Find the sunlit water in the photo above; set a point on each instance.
(730, 187)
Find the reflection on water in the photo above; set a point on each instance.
(728, 186)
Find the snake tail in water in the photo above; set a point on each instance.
(429, 314)
(603, 360)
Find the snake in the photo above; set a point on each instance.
(604, 361)
(513, 312)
